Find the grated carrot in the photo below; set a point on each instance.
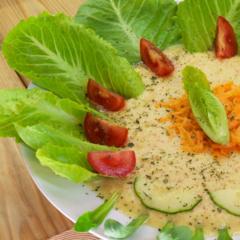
(193, 139)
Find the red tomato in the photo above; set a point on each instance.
(101, 96)
(155, 59)
(113, 164)
(102, 132)
(226, 43)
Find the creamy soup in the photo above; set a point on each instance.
(161, 159)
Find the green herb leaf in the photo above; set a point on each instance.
(94, 218)
(167, 228)
(123, 23)
(223, 234)
(28, 107)
(198, 20)
(58, 54)
(172, 232)
(41, 134)
(198, 235)
(206, 107)
(165, 236)
(114, 229)
(67, 162)
(182, 233)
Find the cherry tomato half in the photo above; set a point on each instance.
(226, 43)
(102, 132)
(103, 97)
(113, 164)
(153, 58)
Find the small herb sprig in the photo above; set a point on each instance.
(114, 229)
(94, 218)
(172, 232)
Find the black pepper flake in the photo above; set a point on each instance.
(100, 196)
(165, 181)
(219, 210)
(97, 188)
(131, 145)
(153, 78)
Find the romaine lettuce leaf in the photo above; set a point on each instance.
(68, 154)
(198, 20)
(59, 55)
(193, 76)
(123, 23)
(210, 114)
(67, 162)
(207, 109)
(41, 134)
(28, 107)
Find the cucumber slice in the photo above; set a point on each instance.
(228, 200)
(153, 196)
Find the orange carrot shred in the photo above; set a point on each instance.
(193, 139)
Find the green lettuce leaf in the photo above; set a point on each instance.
(194, 76)
(41, 134)
(94, 218)
(210, 114)
(67, 162)
(59, 55)
(198, 20)
(68, 154)
(223, 234)
(206, 107)
(123, 23)
(116, 230)
(28, 107)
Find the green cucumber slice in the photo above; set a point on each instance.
(155, 197)
(227, 199)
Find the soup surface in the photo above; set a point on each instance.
(161, 159)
